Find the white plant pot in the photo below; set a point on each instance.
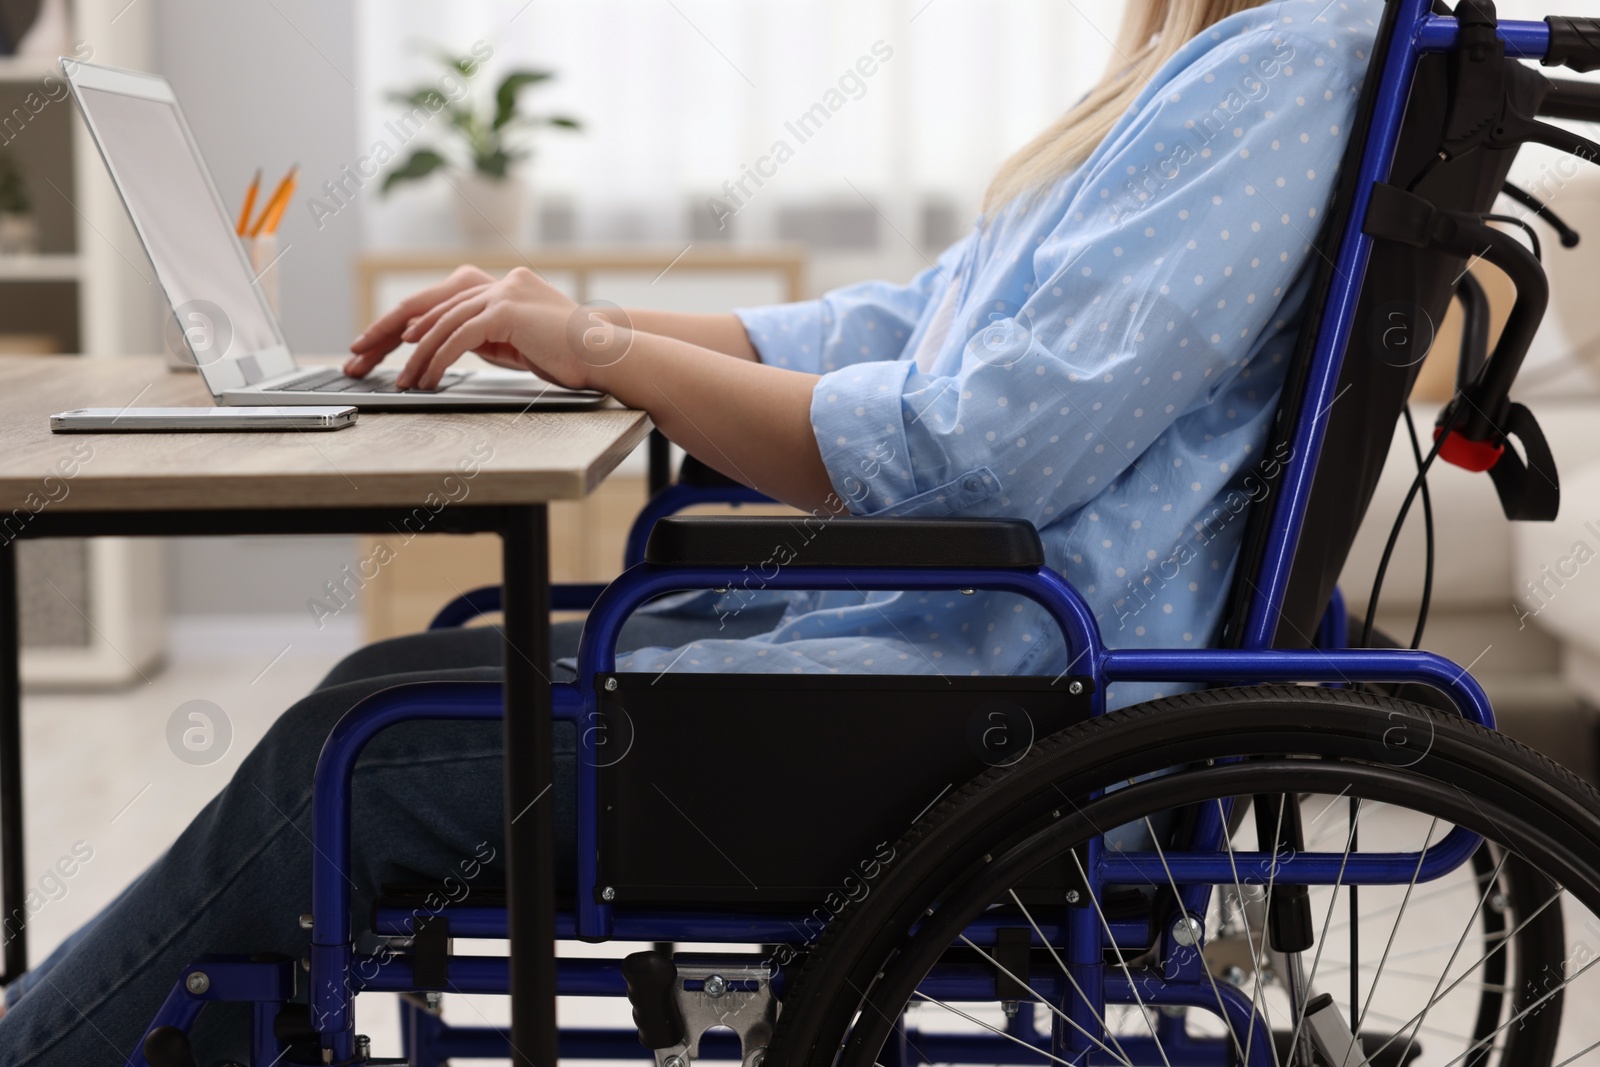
(491, 212)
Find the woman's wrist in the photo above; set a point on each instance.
(723, 334)
(750, 421)
(620, 367)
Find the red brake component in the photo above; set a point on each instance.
(1467, 454)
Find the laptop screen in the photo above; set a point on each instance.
(190, 240)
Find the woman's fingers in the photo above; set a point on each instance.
(386, 330)
(358, 365)
(388, 327)
(475, 331)
(428, 346)
(419, 326)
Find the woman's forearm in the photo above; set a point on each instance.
(749, 421)
(719, 333)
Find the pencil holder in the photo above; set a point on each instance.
(264, 255)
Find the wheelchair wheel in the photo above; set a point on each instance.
(1469, 966)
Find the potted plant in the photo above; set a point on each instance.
(492, 137)
(19, 229)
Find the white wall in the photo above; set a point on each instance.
(270, 84)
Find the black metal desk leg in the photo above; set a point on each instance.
(530, 774)
(13, 917)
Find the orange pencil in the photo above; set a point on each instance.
(243, 227)
(268, 223)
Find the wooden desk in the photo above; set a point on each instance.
(388, 459)
(436, 473)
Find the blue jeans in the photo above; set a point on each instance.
(427, 796)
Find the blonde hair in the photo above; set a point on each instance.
(1152, 32)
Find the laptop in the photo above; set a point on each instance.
(222, 321)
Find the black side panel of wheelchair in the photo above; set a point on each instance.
(750, 791)
(811, 541)
(1404, 298)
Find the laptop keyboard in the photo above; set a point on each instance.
(335, 381)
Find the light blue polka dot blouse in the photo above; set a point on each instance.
(1102, 361)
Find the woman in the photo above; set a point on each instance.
(1100, 356)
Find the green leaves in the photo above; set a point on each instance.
(423, 162)
(487, 133)
(496, 162)
(432, 99)
(511, 86)
(465, 66)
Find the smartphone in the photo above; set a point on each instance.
(182, 420)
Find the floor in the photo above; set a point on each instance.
(112, 778)
(104, 779)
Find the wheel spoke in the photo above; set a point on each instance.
(1468, 972)
(1326, 808)
(1450, 999)
(1122, 1056)
(1429, 949)
(1383, 961)
(1295, 1005)
(1581, 1052)
(1222, 1010)
(1418, 899)
(994, 1029)
(1523, 1014)
(1067, 974)
(1122, 961)
(1257, 1001)
(1444, 972)
(1333, 899)
(1395, 1020)
(921, 1055)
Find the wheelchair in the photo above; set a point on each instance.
(1321, 852)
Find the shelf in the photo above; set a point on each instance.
(40, 268)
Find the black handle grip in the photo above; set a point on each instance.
(1574, 43)
(652, 990)
(167, 1046)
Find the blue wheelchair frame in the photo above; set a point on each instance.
(337, 972)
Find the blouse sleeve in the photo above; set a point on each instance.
(1168, 263)
(855, 324)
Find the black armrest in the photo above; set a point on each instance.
(809, 541)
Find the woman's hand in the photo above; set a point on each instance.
(383, 336)
(520, 320)
(748, 420)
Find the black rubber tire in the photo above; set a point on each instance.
(1361, 735)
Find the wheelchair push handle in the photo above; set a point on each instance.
(1574, 43)
(652, 980)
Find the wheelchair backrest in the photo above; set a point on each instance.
(1405, 294)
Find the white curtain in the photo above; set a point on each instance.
(679, 96)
